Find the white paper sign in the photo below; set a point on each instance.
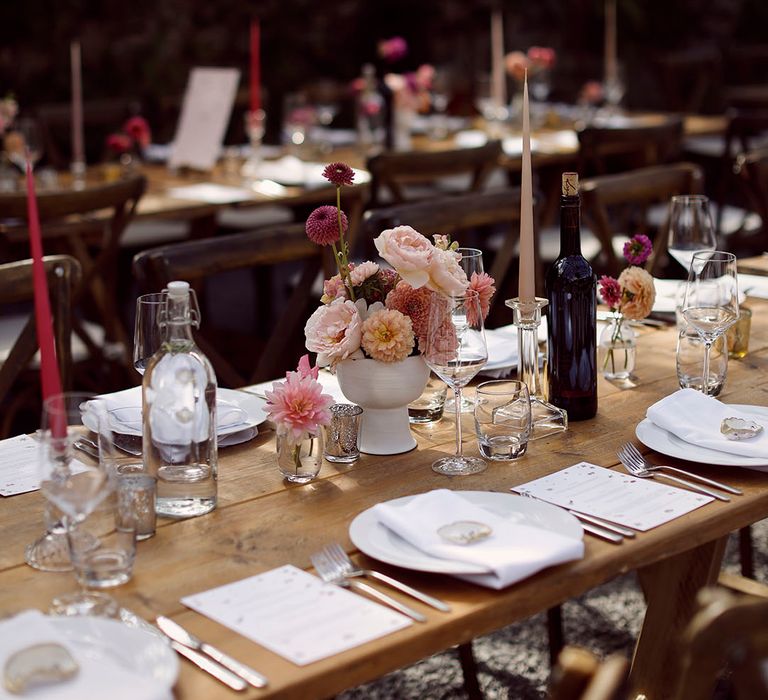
(621, 498)
(296, 615)
(204, 117)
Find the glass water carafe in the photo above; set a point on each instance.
(179, 414)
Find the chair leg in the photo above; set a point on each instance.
(469, 671)
(745, 552)
(555, 633)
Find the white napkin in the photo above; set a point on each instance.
(97, 678)
(695, 418)
(125, 408)
(511, 553)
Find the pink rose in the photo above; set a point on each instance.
(445, 273)
(408, 252)
(359, 273)
(334, 331)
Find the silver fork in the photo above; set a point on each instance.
(641, 472)
(332, 573)
(338, 556)
(633, 454)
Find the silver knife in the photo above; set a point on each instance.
(600, 532)
(176, 632)
(210, 666)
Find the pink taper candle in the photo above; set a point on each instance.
(255, 66)
(610, 67)
(50, 379)
(498, 91)
(78, 151)
(527, 281)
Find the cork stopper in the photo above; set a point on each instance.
(570, 184)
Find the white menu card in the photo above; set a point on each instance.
(621, 498)
(204, 117)
(296, 615)
(18, 465)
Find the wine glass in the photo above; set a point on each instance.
(455, 351)
(147, 334)
(690, 228)
(711, 303)
(73, 485)
(24, 142)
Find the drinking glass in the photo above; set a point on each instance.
(24, 142)
(690, 228)
(502, 419)
(711, 303)
(147, 334)
(455, 351)
(73, 485)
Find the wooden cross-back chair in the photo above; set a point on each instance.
(259, 250)
(606, 148)
(580, 675)
(752, 170)
(474, 220)
(393, 171)
(17, 290)
(87, 224)
(620, 204)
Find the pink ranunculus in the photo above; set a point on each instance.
(298, 406)
(445, 273)
(483, 285)
(638, 293)
(408, 252)
(334, 331)
(359, 273)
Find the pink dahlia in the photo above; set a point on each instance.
(323, 225)
(388, 336)
(638, 249)
(339, 174)
(414, 303)
(483, 285)
(298, 406)
(138, 129)
(610, 290)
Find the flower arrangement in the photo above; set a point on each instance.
(410, 91)
(135, 136)
(297, 406)
(369, 310)
(9, 108)
(631, 296)
(537, 59)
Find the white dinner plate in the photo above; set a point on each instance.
(134, 649)
(378, 541)
(661, 440)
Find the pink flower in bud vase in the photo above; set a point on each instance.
(393, 49)
(638, 249)
(610, 291)
(118, 143)
(138, 129)
(322, 225)
(516, 63)
(638, 293)
(305, 369)
(298, 406)
(591, 93)
(542, 57)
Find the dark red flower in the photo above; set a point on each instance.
(323, 225)
(339, 174)
(138, 129)
(118, 143)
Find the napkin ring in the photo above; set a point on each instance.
(464, 532)
(740, 428)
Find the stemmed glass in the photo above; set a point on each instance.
(711, 303)
(690, 228)
(76, 487)
(456, 351)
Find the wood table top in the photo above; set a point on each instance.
(262, 523)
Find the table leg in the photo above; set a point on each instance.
(670, 587)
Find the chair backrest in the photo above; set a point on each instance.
(690, 78)
(620, 203)
(752, 169)
(476, 220)
(727, 633)
(86, 223)
(260, 250)
(393, 171)
(580, 675)
(614, 148)
(17, 289)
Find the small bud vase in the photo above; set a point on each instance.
(300, 462)
(618, 348)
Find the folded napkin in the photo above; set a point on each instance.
(511, 553)
(124, 408)
(695, 418)
(99, 675)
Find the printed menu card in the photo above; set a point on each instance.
(296, 615)
(641, 504)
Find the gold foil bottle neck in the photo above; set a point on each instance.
(570, 184)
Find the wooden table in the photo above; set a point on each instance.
(757, 265)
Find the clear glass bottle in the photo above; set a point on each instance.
(371, 110)
(179, 415)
